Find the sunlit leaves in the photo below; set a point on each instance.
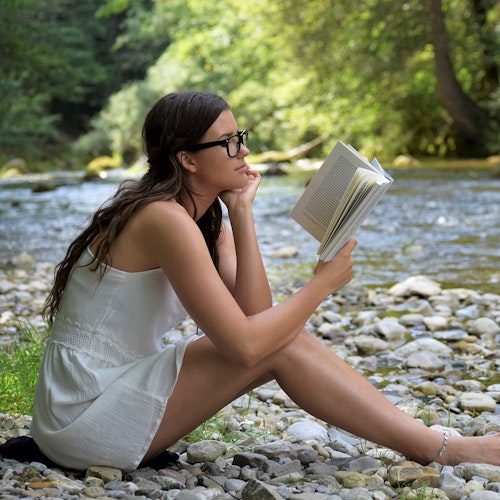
(291, 69)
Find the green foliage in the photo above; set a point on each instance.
(23, 106)
(59, 64)
(19, 365)
(292, 70)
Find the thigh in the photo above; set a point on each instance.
(207, 382)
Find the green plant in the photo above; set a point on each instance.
(221, 428)
(425, 414)
(407, 493)
(19, 364)
(210, 429)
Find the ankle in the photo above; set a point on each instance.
(439, 456)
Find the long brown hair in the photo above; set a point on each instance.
(176, 121)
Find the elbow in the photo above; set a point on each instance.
(247, 356)
(248, 362)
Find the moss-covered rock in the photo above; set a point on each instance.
(103, 163)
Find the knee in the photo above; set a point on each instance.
(304, 343)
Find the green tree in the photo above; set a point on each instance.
(314, 71)
(23, 105)
(475, 124)
(61, 59)
(376, 57)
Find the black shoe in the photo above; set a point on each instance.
(164, 459)
(24, 449)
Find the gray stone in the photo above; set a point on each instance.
(205, 451)
(256, 490)
(275, 469)
(391, 329)
(307, 430)
(251, 459)
(453, 486)
(426, 360)
(475, 401)
(468, 312)
(483, 326)
(234, 484)
(279, 449)
(423, 344)
(321, 469)
(415, 285)
(366, 344)
(483, 495)
(469, 470)
(363, 464)
(107, 474)
(355, 494)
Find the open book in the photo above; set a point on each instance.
(340, 197)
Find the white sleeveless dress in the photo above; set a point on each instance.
(107, 374)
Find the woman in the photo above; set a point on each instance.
(110, 392)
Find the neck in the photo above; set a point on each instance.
(196, 204)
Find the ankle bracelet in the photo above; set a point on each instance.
(446, 435)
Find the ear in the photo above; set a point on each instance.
(186, 160)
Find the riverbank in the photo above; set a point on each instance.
(434, 352)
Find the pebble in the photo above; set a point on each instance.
(434, 352)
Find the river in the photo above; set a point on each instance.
(444, 223)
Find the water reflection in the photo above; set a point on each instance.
(445, 224)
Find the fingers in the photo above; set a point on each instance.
(349, 246)
(253, 173)
(340, 270)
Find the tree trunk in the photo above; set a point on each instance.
(466, 115)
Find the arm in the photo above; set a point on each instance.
(172, 239)
(241, 267)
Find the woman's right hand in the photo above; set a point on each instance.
(339, 271)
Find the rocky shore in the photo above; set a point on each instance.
(434, 352)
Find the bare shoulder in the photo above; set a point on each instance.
(165, 227)
(161, 209)
(152, 232)
(162, 214)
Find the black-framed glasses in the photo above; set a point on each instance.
(232, 144)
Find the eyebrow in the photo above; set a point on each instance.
(227, 135)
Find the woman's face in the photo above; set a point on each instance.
(213, 168)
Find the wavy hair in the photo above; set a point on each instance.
(176, 121)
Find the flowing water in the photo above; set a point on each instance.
(441, 223)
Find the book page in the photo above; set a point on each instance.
(352, 199)
(339, 197)
(316, 206)
(360, 211)
(380, 169)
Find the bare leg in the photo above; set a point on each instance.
(320, 383)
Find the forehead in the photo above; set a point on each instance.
(224, 125)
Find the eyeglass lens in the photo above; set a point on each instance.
(234, 143)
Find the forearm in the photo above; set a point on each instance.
(275, 328)
(252, 291)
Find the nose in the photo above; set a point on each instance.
(244, 150)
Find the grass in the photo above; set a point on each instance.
(214, 428)
(19, 364)
(220, 428)
(408, 493)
